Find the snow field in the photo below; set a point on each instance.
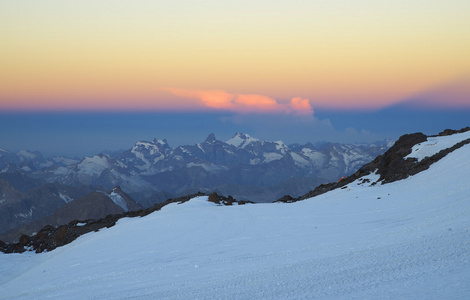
(435, 144)
(406, 239)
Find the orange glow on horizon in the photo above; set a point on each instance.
(240, 57)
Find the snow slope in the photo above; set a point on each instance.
(435, 144)
(406, 239)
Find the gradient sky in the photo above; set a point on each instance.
(240, 63)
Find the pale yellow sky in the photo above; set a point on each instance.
(91, 54)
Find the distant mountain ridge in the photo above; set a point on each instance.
(142, 167)
(33, 187)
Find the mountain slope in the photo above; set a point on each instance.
(94, 205)
(404, 239)
(18, 208)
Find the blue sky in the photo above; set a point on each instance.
(85, 133)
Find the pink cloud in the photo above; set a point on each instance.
(243, 103)
(218, 99)
(258, 103)
(301, 106)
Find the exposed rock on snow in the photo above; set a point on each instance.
(398, 162)
(434, 145)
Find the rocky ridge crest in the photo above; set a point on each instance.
(392, 165)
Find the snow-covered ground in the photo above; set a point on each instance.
(435, 144)
(408, 239)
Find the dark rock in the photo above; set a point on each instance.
(451, 131)
(286, 199)
(218, 199)
(24, 240)
(214, 198)
(211, 138)
(392, 165)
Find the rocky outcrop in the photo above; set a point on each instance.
(392, 165)
(218, 199)
(452, 131)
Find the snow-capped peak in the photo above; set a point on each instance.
(241, 140)
(94, 165)
(27, 154)
(157, 146)
(160, 142)
(145, 145)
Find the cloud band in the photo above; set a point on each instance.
(243, 103)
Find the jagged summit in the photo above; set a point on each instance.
(241, 140)
(123, 200)
(210, 138)
(156, 145)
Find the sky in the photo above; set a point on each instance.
(103, 74)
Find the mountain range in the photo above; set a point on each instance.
(33, 187)
(213, 164)
(395, 228)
